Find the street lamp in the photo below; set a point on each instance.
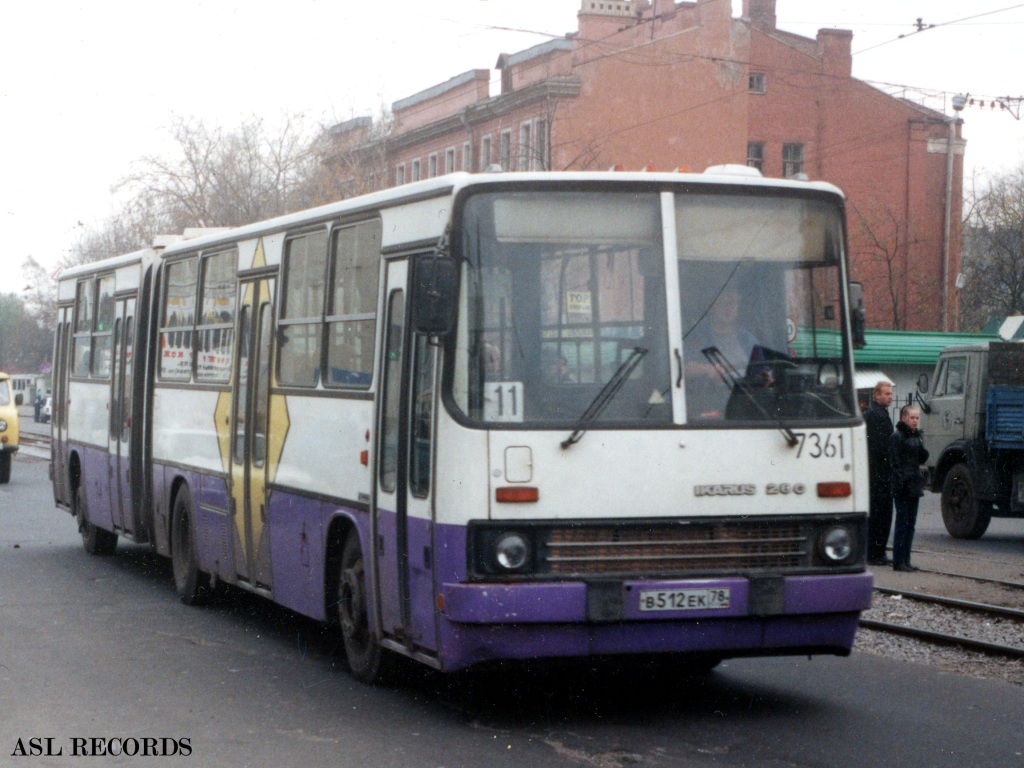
(959, 102)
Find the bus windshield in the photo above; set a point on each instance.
(574, 307)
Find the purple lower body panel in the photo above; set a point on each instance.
(732, 616)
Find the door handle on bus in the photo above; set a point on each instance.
(679, 361)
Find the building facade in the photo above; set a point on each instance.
(684, 85)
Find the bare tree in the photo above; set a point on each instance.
(211, 177)
(993, 254)
(351, 158)
(224, 178)
(888, 243)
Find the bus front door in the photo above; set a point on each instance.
(403, 514)
(119, 447)
(250, 428)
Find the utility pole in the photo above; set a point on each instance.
(959, 102)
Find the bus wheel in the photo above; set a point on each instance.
(191, 584)
(367, 661)
(5, 468)
(95, 540)
(963, 513)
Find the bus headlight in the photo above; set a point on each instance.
(837, 544)
(511, 552)
(3, 425)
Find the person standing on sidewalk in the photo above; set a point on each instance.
(879, 428)
(906, 455)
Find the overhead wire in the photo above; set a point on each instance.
(939, 25)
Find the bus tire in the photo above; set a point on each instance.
(5, 468)
(191, 584)
(963, 513)
(95, 540)
(367, 660)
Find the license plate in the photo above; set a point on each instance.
(685, 599)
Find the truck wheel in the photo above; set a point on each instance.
(5, 468)
(965, 516)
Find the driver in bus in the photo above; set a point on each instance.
(738, 350)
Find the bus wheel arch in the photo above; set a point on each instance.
(337, 532)
(368, 661)
(95, 540)
(74, 474)
(191, 584)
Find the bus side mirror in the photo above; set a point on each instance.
(858, 316)
(435, 285)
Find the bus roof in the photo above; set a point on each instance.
(453, 183)
(104, 264)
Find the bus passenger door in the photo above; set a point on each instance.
(403, 515)
(119, 448)
(59, 409)
(250, 426)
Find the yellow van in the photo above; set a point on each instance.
(9, 427)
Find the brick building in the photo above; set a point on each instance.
(685, 85)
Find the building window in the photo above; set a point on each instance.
(467, 157)
(505, 150)
(758, 83)
(540, 145)
(755, 155)
(449, 161)
(400, 174)
(485, 152)
(792, 159)
(525, 156)
(415, 170)
(432, 166)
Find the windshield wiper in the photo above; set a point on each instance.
(731, 377)
(608, 391)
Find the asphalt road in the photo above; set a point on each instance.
(94, 648)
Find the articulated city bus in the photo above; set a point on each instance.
(491, 416)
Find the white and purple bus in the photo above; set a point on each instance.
(490, 416)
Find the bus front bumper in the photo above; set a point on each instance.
(756, 616)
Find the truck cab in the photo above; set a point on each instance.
(952, 412)
(975, 392)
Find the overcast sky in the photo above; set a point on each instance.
(86, 88)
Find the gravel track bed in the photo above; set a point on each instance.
(938, 618)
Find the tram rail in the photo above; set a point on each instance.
(987, 614)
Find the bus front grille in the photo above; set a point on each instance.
(696, 547)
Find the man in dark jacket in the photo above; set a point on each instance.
(906, 455)
(879, 427)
